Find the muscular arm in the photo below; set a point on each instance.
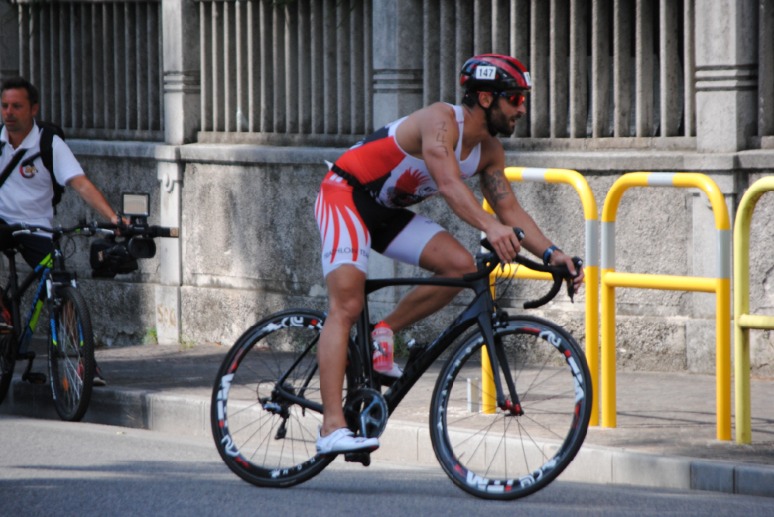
(91, 194)
(431, 134)
(439, 132)
(498, 192)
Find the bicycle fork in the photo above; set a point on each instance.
(499, 364)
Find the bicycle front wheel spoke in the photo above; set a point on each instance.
(71, 354)
(514, 450)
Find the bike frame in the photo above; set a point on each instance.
(481, 311)
(51, 266)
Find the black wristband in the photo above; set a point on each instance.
(548, 253)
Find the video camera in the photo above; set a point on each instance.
(117, 255)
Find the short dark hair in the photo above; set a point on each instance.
(470, 98)
(21, 83)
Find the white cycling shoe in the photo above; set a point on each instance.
(343, 440)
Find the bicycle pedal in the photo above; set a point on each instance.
(358, 457)
(34, 377)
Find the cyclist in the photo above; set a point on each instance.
(362, 206)
(26, 194)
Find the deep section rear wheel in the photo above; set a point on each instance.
(70, 353)
(266, 406)
(512, 451)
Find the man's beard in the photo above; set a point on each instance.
(497, 123)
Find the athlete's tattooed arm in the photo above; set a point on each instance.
(441, 137)
(495, 187)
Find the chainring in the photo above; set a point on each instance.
(366, 412)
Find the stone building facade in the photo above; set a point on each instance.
(226, 110)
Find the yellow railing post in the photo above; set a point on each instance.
(720, 285)
(743, 320)
(591, 268)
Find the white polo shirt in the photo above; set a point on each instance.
(26, 195)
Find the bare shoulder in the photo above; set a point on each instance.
(434, 123)
(431, 116)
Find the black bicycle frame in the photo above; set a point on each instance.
(481, 311)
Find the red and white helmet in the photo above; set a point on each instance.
(494, 73)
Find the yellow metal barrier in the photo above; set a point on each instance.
(721, 286)
(591, 268)
(743, 321)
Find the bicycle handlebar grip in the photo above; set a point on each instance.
(578, 263)
(488, 245)
(559, 273)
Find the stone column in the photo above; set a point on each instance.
(726, 74)
(397, 29)
(397, 69)
(182, 106)
(181, 71)
(9, 40)
(170, 176)
(726, 113)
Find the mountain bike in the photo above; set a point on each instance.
(54, 291)
(528, 425)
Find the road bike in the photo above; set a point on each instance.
(512, 437)
(50, 289)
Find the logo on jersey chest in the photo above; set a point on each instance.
(28, 171)
(410, 188)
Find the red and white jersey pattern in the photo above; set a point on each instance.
(397, 178)
(353, 218)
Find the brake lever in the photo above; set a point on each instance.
(578, 263)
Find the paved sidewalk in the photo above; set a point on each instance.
(665, 435)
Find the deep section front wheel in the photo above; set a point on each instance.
(518, 448)
(70, 353)
(266, 406)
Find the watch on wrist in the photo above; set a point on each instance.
(549, 253)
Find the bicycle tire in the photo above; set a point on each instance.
(7, 363)
(70, 353)
(497, 454)
(263, 437)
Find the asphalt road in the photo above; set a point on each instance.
(56, 468)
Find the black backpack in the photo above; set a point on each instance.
(47, 132)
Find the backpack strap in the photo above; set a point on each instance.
(11, 166)
(28, 160)
(47, 149)
(47, 155)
